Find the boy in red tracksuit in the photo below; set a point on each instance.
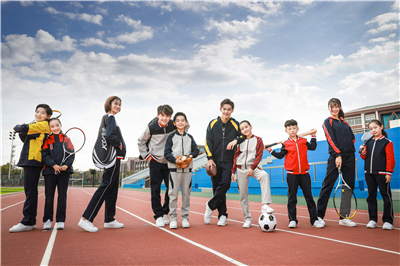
(296, 165)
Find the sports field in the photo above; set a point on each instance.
(140, 242)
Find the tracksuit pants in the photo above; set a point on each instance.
(373, 182)
(31, 181)
(221, 183)
(51, 182)
(159, 172)
(243, 186)
(304, 181)
(348, 171)
(182, 180)
(107, 192)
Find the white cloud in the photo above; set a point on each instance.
(141, 32)
(384, 18)
(266, 8)
(22, 48)
(96, 19)
(396, 6)
(380, 52)
(380, 39)
(100, 34)
(101, 10)
(26, 3)
(334, 59)
(76, 4)
(94, 41)
(385, 27)
(235, 27)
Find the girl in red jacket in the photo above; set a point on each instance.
(245, 162)
(378, 155)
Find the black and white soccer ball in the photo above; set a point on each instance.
(267, 222)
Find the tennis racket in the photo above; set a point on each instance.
(311, 132)
(344, 200)
(365, 138)
(73, 141)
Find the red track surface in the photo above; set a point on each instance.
(140, 243)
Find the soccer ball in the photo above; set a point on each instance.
(267, 222)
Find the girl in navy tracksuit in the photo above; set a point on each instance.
(55, 175)
(341, 155)
(378, 155)
(108, 190)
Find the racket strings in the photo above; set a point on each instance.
(345, 202)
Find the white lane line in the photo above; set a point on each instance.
(17, 203)
(49, 248)
(11, 194)
(292, 232)
(229, 259)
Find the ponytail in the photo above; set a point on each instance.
(341, 113)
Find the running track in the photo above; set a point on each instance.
(141, 243)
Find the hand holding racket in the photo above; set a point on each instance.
(344, 200)
(365, 138)
(311, 132)
(73, 135)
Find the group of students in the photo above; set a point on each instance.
(231, 148)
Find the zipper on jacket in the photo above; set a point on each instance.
(298, 156)
(247, 152)
(183, 152)
(223, 139)
(372, 156)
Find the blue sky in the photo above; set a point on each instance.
(275, 60)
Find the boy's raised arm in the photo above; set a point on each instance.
(312, 145)
(281, 153)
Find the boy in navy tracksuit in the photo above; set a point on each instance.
(223, 133)
(151, 148)
(32, 135)
(55, 175)
(180, 143)
(296, 164)
(341, 140)
(379, 164)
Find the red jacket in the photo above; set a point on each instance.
(296, 161)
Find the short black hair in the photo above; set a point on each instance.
(49, 111)
(227, 101)
(245, 121)
(180, 114)
(290, 122)
(165, 109)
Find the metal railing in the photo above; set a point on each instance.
(311, 164)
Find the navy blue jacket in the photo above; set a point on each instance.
(340, 137)
(114, 137)
(217, 140)
(378, 155)
(53, 153)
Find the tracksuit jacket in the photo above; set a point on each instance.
(152, 141)
(379, 157)
(32, 135)
(248, 154)
(340, 137)
(177, 145)
(53, 153)
(218, 138)
(296, 161)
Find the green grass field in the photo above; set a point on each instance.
(5, 190)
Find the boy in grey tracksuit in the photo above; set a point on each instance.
(151, 148)
(180, 143)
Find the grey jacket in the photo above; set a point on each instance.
(177, 145)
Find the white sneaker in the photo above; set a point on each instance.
(292, 224)
(173, 225)
(207, 214)
(347, 222)
(113, 224)
(21, 228)
(47, 225)
(60, 225)
(165, 218)
(160, 222)
(247, 224)
(87, 225)
(222, 221)
(371, 224)
(267, 209)
(185, 223)
(317, 224)
(321, 221)
(387, 226)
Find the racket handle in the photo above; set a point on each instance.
(270, 145)
(361, 149)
